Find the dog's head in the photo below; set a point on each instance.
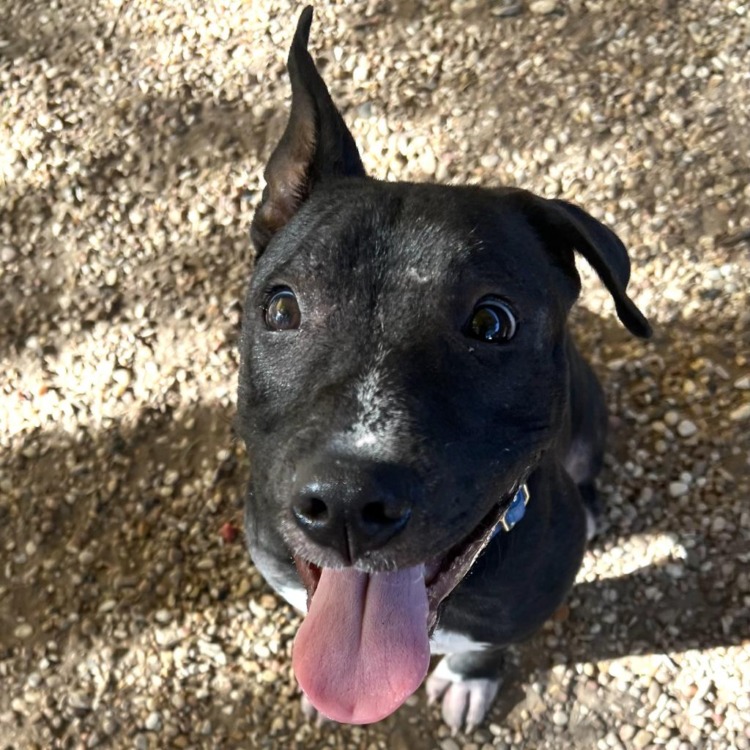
(403, 369)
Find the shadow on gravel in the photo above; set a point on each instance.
(120, 515)
(120, 500)
(148, 147)
(692, 602)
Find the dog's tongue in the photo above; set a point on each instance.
(363, 648)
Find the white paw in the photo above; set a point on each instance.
(465, 702)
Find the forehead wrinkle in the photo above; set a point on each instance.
(423, 257)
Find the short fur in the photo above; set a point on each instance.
(381, 388)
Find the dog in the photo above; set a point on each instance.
(424, 434)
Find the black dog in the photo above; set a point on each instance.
(408, 389)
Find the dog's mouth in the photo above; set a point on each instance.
(441, 574)
(363, 648)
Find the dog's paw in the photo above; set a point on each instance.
(465, 701)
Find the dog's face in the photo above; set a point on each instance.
(403, 365)
(419, 334)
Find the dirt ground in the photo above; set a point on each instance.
(132, 139)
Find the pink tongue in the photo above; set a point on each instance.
(363, 648)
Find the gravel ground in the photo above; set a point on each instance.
(132, 138)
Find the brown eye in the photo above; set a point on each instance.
(282, 311)
(492, 321)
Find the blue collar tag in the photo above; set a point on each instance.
(514, 512)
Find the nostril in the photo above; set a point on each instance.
(311, 510)
(352, 507)
(384, 514)
(317, 510)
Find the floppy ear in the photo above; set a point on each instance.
(316, 144)
(572, 227)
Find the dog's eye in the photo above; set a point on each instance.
(492, 321)
(282, 311)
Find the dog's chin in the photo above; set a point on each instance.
(441, 573)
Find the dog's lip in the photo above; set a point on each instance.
(443, 573)
(309, 573)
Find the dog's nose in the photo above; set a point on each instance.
(353, 508)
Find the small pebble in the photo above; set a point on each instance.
(642, 739)
(427, 162)
(678, 489)
(686, 428)
(153, 722)
(543, 7)
(23, 631)
(626, 732)
(741, 413)
(489, 161)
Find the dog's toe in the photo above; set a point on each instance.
(465, 701)
(435, 687)
(465, 704)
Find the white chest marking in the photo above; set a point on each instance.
(448, 642)
(296, 596)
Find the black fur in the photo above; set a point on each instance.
(387, 276)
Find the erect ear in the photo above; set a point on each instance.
(571, 228)
(316, 144)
